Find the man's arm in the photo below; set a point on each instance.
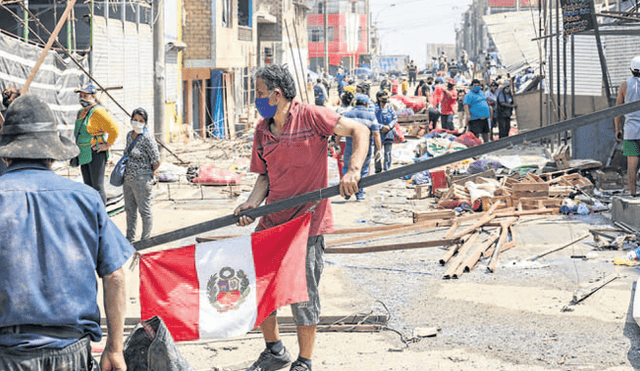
(622, 92)
(360, 136)
(258, 194)
(114, 308)
(467, 117)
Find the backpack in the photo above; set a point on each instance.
(317, 91)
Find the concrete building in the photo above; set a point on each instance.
(346, 34)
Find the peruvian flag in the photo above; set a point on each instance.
(225, 288)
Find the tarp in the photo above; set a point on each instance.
(217, 105)
(54, 83)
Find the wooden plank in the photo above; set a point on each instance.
(521, 190)
(584, 292)
(533, 258)
(404, 228)
(47, 47)
(532, 203)
(432, 215)
(401, 246)
(457, 262)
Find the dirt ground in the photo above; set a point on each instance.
(518, 318)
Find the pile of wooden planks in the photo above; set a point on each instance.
(530, 192)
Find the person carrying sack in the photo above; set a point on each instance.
(95, 133)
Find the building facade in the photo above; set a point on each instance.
(345, 34)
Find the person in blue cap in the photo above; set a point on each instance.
(95, 132)
(362, 114)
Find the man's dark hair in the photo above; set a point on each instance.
(475, 81)
(277, 76)
(346, 98)
(318, 80)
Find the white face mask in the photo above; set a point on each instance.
(137, 126)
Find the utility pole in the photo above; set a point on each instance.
(158, 70)
(326, 36)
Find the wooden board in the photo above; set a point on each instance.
(521, 190)
(433, 215)
(532, 203)
(412, 118)
(471, 178)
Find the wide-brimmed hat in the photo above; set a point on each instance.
(30, 132)
(87, 88)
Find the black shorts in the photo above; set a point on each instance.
(479, 126)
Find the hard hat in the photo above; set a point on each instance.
(635, 64)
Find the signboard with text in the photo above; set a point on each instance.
(576, 16)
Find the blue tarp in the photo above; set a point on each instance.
(217, 105)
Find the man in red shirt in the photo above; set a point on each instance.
(446, 97)
(290, 156)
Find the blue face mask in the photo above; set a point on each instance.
(476, 89)
(264, 109)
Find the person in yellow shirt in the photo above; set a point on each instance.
(95, 133)
(405, 86)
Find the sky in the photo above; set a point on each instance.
(407, 26)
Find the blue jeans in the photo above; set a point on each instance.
(365, 168)
(447, 122)
(75, 357)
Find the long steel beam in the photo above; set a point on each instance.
(396, 173)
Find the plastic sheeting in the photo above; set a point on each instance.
(54, 83)
(217, 105)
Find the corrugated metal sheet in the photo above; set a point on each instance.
(619, 50)
(512, 34)
(588, 75)
(122, 55)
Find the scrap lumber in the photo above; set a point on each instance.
(504, 234)
(452, 230)
(385, 233)
(473, 258)
(584, 292)
(401, 246)
(521, 190)
(47, 47)
(422, 191)
(413, 118)
(533, 258)
(527, 212)
(457, 261)
(484, 220)
(432, 215)
(562, 157)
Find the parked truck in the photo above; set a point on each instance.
(393, 64)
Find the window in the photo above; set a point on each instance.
(359, 34)
(244, 13)
(226, 13)
(316, 34)
(320, 7)
(353, 7)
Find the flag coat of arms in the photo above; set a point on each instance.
(225, 288)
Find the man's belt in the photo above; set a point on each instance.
(62, 332)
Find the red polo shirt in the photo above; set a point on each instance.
(296, 163)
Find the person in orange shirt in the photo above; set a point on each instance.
(95, 132)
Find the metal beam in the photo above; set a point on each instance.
(396, 173)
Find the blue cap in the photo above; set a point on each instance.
(87, 88)
(362, 98)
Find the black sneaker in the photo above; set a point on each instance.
(299, 366)
(271, 362)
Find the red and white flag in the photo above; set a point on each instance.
(225, 288)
